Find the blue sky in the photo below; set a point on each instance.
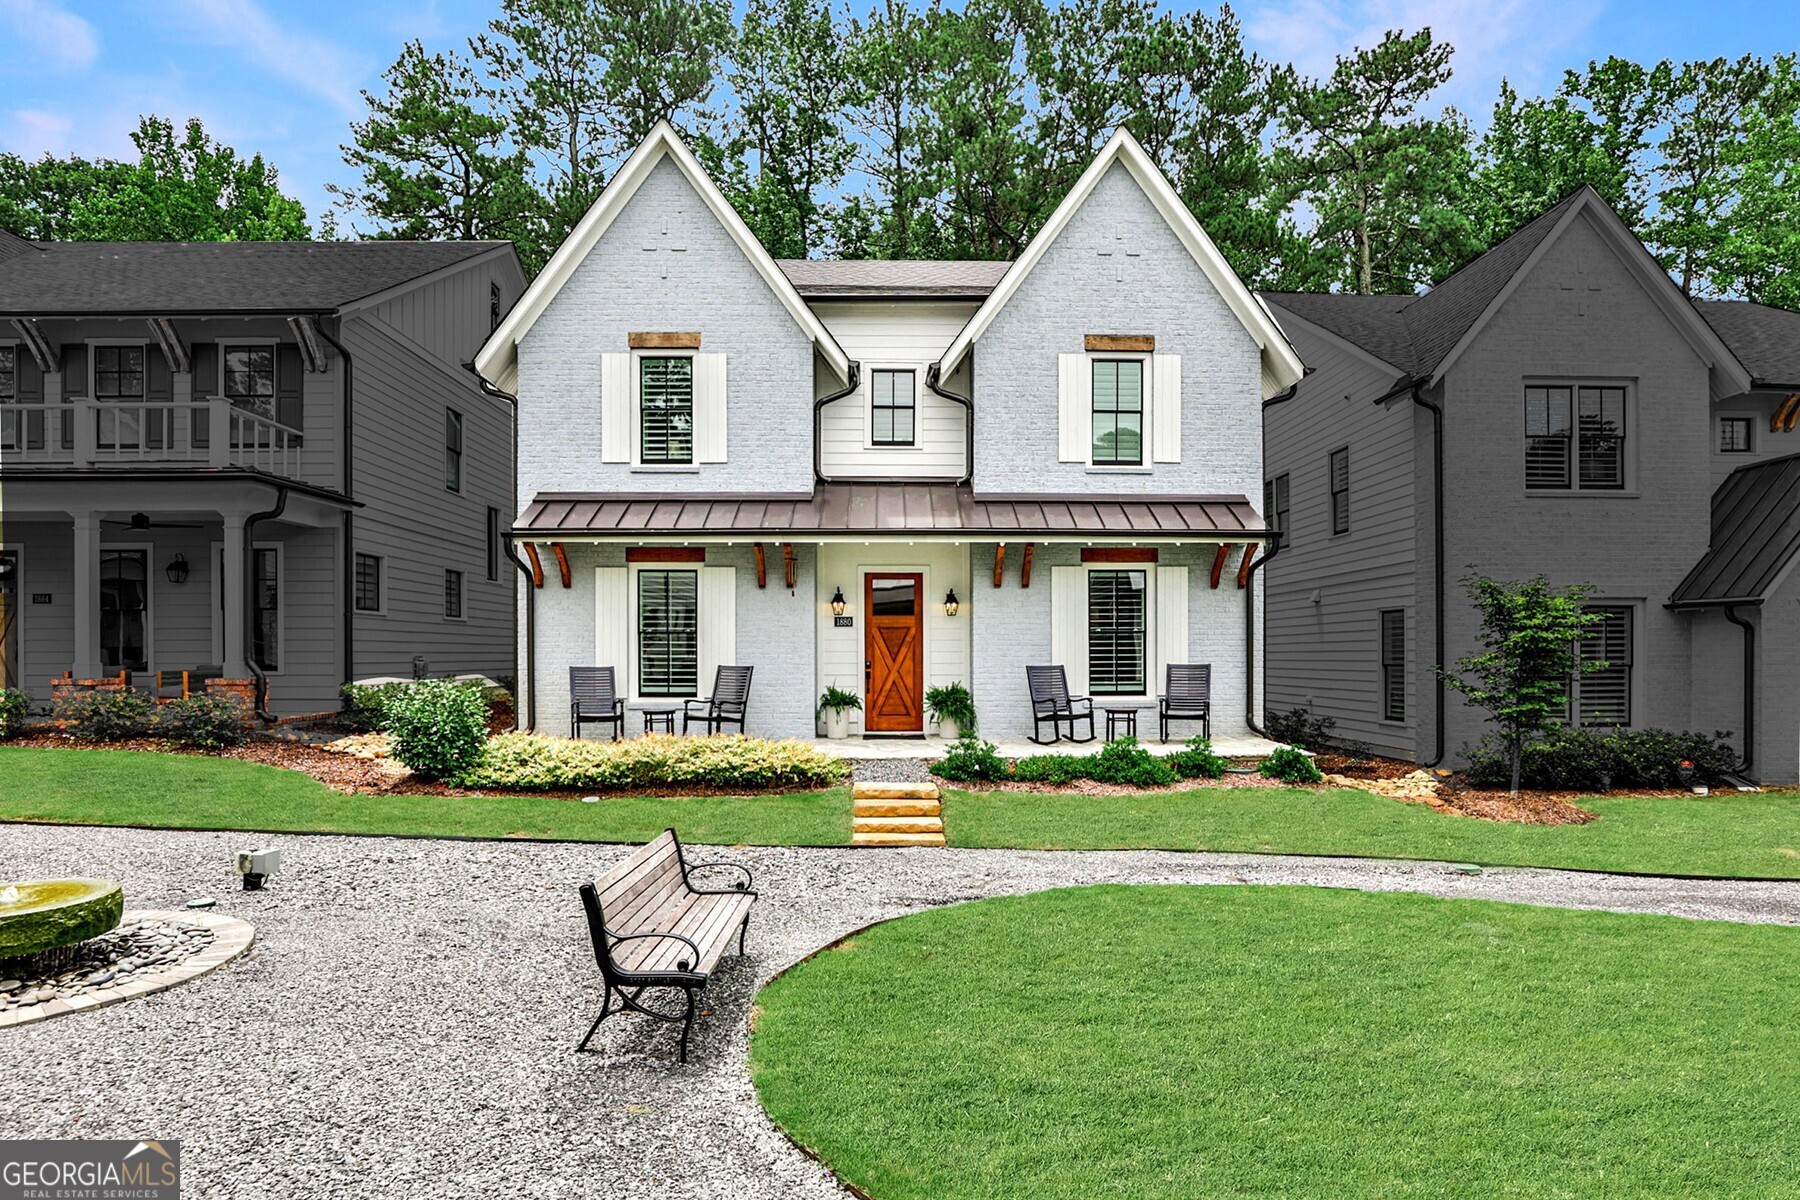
(283, 78)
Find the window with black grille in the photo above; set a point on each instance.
(891, 408)
(1340, 490)
(1275, 506)
(1574, 438)
(1603, 696)
(666, 410)
(1117, 615)
(1393, 664)
(368, 583)
(668, 633)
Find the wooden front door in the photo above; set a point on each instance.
(893, 643)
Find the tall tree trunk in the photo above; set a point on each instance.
(1518, 763)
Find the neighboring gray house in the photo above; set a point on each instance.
(885, 476)
(252, 458)
(1590, 419)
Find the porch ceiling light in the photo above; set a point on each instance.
(951, 603)
(838, 602)
(177, 570)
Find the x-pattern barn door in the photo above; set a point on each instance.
(894, 652)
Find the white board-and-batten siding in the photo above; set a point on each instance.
(894, 335)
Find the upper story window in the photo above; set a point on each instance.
(1118, 615)
(250, 378)
(9, 374)
(1275, 506)
(1734, 434)
(666, 409)
(1340, 490)
(1118, 412)
(1574, 438)
(892, 408)
(453, 449)
(118, 372)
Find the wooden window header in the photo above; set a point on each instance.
(1118, 554)
(1134, 343)
(665, 554)
(664, 341)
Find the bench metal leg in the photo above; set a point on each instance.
(742, 931)
(687, 1023)
(605, 1011)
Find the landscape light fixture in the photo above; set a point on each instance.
(177, 570)
(951, 603)
(838, 602)
(256, 866)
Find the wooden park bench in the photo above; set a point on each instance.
(652, 928)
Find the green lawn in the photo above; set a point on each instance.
(1753, 834)
(1180, 1042)
(175, 791)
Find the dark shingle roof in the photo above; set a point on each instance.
(1416, 333)
(1766, 340)
(1755, 532)
(167, 278)
(821, 278)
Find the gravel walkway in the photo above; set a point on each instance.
(405, 1022)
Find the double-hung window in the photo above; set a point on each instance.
(1340, 490)
(1393, 664)
(1118, 412)
(1117, 622)
(892, 411)
(668, 630)
(1603, 696)
(453, 450)
(1734, 434)
(118, 372)
(368, 583)
(666, 409)
(124, 610)
(1574, 438)
(250, 378)
(1275, 506)
(265, 599)
(453, 595)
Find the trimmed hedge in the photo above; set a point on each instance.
(1591, 759)
(534, 762)
(1125, 762)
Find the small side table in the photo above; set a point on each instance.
(660, 720)
(1120, 721)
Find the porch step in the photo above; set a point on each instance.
(898, 808)
(895, 791)
(899, 825)
(897, 839)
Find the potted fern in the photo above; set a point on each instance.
(953, 708)
(835, 706)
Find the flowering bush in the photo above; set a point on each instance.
(533, 762)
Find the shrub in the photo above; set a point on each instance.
(367, 704)
(104, 716)
(1585, 759)
(1127, 763)
(1298, 727)
(13, 706)
(970, 758)
(1196, 760)
(1290, 766)
(204, 721)
(1052, 768)
(534, 762)
(438, 729)
(952, 702)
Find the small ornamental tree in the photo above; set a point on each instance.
(1530, 636)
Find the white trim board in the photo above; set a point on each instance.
(1281, 365)
(498, 359)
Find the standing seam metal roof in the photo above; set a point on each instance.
(1755, 534)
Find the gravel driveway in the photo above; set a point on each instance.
(405, 1022)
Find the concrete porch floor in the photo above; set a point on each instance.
(861, 749)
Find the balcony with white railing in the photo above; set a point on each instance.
(210, 432)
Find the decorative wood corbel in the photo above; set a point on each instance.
(537, 567)
(791, 568)
(999, 562)
(1025, 565)
(562, 562)
(1244, 567)
(1219, 558)
(33, 337)
(762, 568)
(174, 353)
(312, 346)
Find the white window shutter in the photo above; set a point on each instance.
(1069, 625)
(718, 623)
(709, 408)
(1171, 628)
(1165, 408)
(612, 625)
(616, 408)
(1075, 387)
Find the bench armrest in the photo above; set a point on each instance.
(633, 937)
(728, 866)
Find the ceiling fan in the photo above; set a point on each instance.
(143, 521)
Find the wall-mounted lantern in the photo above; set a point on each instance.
(951, 603)
(838, 602)
(177, 570)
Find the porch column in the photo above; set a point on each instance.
(231, 586)
(87, 595)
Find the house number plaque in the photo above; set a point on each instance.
(843, 622)
(40, 597)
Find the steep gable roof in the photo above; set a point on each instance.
(1765, 339)
(1281, 365)
(498, 359)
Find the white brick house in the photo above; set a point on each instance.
(887, 476)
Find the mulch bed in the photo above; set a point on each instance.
(1371, 767)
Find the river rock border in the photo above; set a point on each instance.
(231, 938)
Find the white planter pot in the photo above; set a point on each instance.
(837, 723)
(949, 730)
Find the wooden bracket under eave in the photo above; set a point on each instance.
(1244, 567)
(1219, 558)
(537, 567)
(1025, 565)
(999, 562)
(562, 562)
(1787, 415)
(762, 568)
(789, 567)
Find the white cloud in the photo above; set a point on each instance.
(47, 35)
(315, 64)
(33, 132)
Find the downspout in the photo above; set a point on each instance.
(1731, 614)
(934, 381)
(1437, 534)
(527, 669)
(249, 567)
(855, 381)
(345, 450)
(1250, 716)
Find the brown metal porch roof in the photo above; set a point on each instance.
(886, 509)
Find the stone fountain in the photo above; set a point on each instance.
(44, 916)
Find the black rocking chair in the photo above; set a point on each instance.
(1052, 705)
(729, 701)
(1187, 696)
(593, 700)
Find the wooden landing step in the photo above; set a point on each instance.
(897, 814)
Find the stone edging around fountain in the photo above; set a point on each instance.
(231, 939)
